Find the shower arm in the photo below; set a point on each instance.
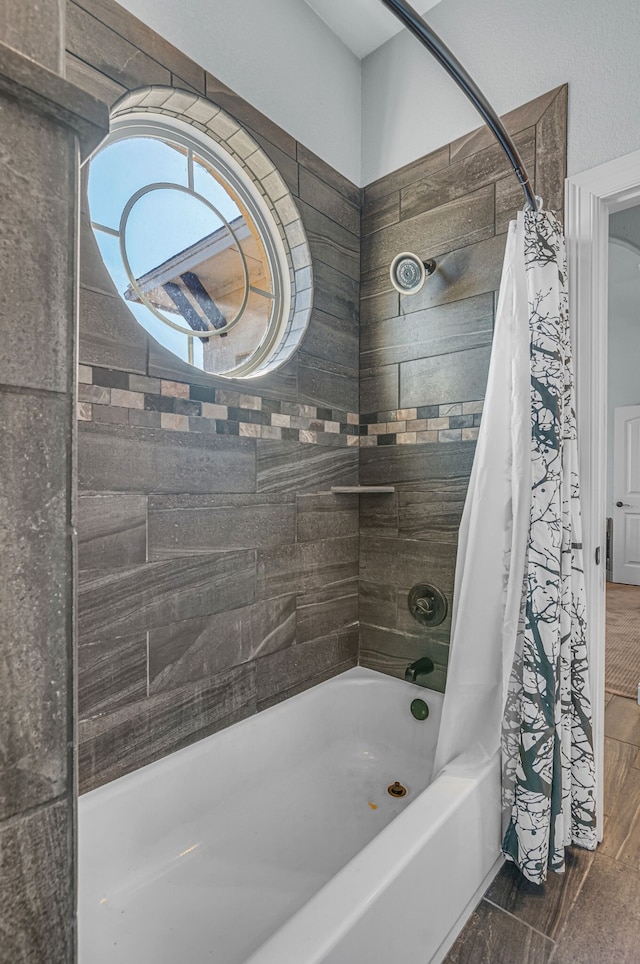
(420, 29)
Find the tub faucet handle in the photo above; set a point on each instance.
(420, 668)
(424, 606)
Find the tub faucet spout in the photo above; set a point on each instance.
(415, 672)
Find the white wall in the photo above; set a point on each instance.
(280, 57)
(623, 384)
(514, 50)
(283, 59)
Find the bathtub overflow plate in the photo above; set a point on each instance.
(397, 790)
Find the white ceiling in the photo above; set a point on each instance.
(362, 25)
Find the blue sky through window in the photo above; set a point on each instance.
(162, 222)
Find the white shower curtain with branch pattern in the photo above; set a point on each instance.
(518, 673)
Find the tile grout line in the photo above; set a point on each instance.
(520, 921)
(572, 906)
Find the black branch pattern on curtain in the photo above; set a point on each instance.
(548, 763)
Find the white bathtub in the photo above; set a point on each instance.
(275, 841)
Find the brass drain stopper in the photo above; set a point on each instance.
(397, 790)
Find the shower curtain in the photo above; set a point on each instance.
(518, 676)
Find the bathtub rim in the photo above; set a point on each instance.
(317, 927)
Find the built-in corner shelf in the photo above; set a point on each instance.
(362, 489)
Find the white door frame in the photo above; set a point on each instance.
(589, 199)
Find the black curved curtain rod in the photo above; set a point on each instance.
(420, 29)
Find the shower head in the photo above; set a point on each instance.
(408, 272)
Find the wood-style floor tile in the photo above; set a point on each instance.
(493, 937)
(544, 907)
(622, 720)
(622, 837)
(604, 925)
(618, 759)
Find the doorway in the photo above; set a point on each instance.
(622, 619)
(592, 198)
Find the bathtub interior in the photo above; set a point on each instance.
(410, 891)
(224, 841)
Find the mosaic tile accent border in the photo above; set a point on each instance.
(105, 395)
(454, 422)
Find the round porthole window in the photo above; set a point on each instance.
(200, 235)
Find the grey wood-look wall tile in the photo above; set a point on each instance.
(378, 297)
(551, 152)
(329, 175)
(182, 500)
(304, 663)
(433, 331)
(453, 225)
(36, 887)
(378, 604)
(121, 459)
(153, 44)
(322, 515)
(335, 293)
(509, 200)
(380, 389)
(544, 907)
(380, 213)
(112, 530)
(40, 39)
(389, 651)
(194, 528)
(196, 649)
(298, 467)
(460, 376)
(145, 597)
(327, 383)
(117, 743)
(469, 271)
(468, 174)
(493, 937)
(380, 512)
(328, 610)
(603, 925)
(415, 171)
(306, 566)
(35, 494)
(286, 165)
(325, 198)
(332, 339)
(239, 108)
(280, 385)
(330, 242)
(404, 562)
(92, 41)
(109, 335)
(435, 515)
(334, 670)
(516, 120)
(111, 672)
(432, 469)
(37, 227)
